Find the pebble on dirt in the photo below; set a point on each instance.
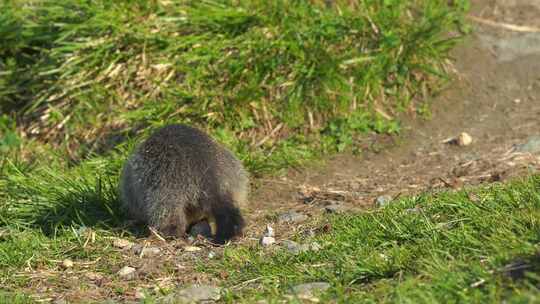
(267, 241)
(269, 231)
(292, 217)
(268, 237)
(296, 248)
(122, 243)
(310, 289)
(335, 207)
(126, 273)
(67, 263)
(93, 276)
(146, 251)
(464, 139)
(194, 294)
(192, 248)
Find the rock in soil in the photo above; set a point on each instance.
(146, 251)
(531, 146)
(335, 207)
(292, 217)
(267, 241)
(269, 231)
(194, 294)
(93, 276)
(310, 289)
(127, 273)
(296, 248)
(464, 139)
(192, 248)
(383, 200)
(122, 244)
(67, 263)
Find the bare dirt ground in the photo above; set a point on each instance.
(496, 100)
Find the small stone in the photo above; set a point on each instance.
(192, 248)
(383, 200)
(67, 263)
(269, 231)
(127, 273)
(201, 228)
(194, 294)
(211, 255)
(309, 290)
(146, 251)
(122, 244)
(531, 146)
(464, 139)
(296, 248)
(292, 217)
(93, 276)
(151, 251)
(267, 241)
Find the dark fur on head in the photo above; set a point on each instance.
(180, 176)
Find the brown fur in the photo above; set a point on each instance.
(180, 176)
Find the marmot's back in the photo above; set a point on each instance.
(179, 176)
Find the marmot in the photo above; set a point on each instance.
(180, 176)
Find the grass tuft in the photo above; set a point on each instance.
(54, 196)
(271, 75)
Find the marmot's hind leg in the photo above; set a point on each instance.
(174, 225)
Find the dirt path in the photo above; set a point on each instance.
(496, 101)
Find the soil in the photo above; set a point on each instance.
(496, 99)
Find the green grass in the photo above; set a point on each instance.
(83, 76)
(280, 82)
(48, 213)
(14, 298)
(392, 254)
(454, 250)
